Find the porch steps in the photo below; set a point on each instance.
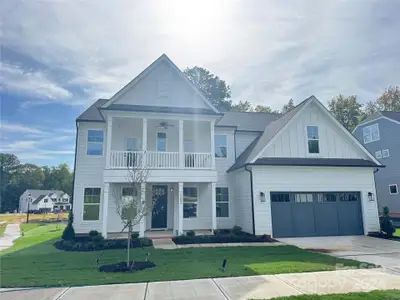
(163, 243)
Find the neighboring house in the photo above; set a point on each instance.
(297, 174)
(380, 134)
(44, 201)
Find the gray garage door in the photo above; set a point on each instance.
(299, 214)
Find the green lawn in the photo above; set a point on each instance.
(375, 295)
(397, 233)
(2, 229)
(25, 227)
(33, 261)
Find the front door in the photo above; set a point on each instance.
(159, 214)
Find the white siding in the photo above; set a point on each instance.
(310, 179)
(88, 173)
(222, 164)
(243, 140)
(333, 142)
(145, 92)
(243, 200)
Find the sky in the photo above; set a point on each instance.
(58, 57)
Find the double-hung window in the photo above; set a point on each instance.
(371, 133)
(95, 141)
(190, 198)
(161, 142)
(220, 146)
(222, 202)
(313, 139)
(393, 189)
(91, 204)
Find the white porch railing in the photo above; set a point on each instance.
(159, 160)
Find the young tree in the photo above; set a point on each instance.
(346, 110)
(213, 88)
(129, 203)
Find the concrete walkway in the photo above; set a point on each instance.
(11, 233)
(266, 286)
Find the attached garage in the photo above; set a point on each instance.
(304, 214)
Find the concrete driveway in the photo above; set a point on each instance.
(363, 248)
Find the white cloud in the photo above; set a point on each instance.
(7, 127)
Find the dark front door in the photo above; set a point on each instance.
(159, 215)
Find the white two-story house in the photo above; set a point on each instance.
(297, 174)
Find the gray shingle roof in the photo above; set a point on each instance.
(394, 115)
(328, 162)
(247, 121)
(37, 193)
(37, 200)
(92, 114)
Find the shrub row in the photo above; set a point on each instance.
(222, 238)
(94, 245)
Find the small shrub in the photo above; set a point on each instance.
(77, 247)
(66, 244)
(387, 226)
(145, 242)
(69, 232)
(93, 233)
(90, 246)
(191, 233)
(135, 235)
(97, 238)
(237, 230)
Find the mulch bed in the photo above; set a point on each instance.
(383, 236)
(122, 267)
(222, 238)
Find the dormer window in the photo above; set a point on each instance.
(312, 139)
(371, 133)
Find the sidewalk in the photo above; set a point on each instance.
(12, 232)
(266, 286)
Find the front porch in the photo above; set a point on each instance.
(179, 207)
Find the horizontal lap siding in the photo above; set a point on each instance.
(88, 173)
(243, 200)
(308, 179)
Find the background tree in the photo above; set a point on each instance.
(388, 101)
(213, 88)
(346, 110)
(8, 164)
(129, 205)
(287, 106)
(58, 178)
(242, 106)
(264, 108)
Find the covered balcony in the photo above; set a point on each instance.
(160, 144)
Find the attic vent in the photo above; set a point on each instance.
(163, 87)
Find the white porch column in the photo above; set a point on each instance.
(212, 127)
(180, 208)
(214, 208)
(142, 225)
(181, 153)
(105, 209)
(108, 143)
(144, 141)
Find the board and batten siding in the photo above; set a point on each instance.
(88, 173)
(333, 142)
(269, 179)
(243, 217)
(176, 91)
(243, 139)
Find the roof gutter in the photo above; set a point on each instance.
(252, 198)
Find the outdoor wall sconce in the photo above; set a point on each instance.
(371, 196)
(262, 197)
(171, 190)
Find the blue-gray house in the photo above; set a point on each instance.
(380, 134)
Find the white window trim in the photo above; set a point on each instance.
(397, 189)
(370, 126)
(87, 142)
(166, 141)
(197, 201)
(307, 139)
(388, 153)
(101, 204)
(133, 137)
(229, 202)
(216, 146)
(378, 154)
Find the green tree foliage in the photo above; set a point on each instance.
(287, 106)
(69, 232)
(242, 106)
(264, 108)
(347, 110)
(388, 101)
(213, 88)
(16, 178)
